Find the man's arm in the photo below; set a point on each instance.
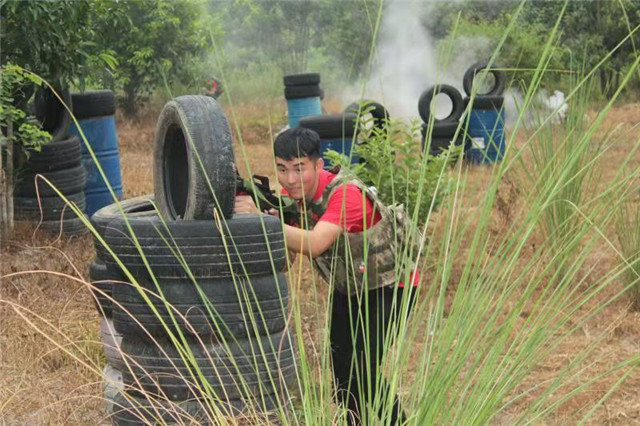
(312, 243)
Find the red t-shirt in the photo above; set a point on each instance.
(345, 209)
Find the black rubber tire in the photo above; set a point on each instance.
(440, 138)
(63, 154)
(70, 226)
(67, 181)
(331, 126)
(238, 309)
(135, 410)
(300, 92)
(499, 79)
(235, 369)
(424, 103)
(486, 102)
(378, 111)
(253, 250)
(52, 207)
(306, 79)
(51, 113)
(102, 278)
(111, 344)
(93, 103)
(181, 188)
(133, 207)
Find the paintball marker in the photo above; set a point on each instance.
(259, 189)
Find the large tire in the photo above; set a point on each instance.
(234, 369)
(224, 307)
(485, 102)
(331, 126)
(307, 79)
(424, 103)
(378, 112)
(93, 103)
(135, 410)
(51, 113)
(470, 75)
(69, 226)
(180, 181)
(102, 281)
(111, 344)
(63, 154)
(52, 207)
(301, 92)
(169, 248)
(67, 181)
(134, 207)
(112, 386)
(441, 137)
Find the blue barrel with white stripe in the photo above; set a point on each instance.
(303, 107)
(95, 114)
(485, 130)
(303, 95)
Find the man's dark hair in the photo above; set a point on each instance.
(297, 143)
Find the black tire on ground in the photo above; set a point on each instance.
(307, 79)
(441, 138)
(180, 182)
(300, 92)
(133, 207)
(470, 75)
(52, 113)
(331, 126)
(70, 226)
(63, 154)
(255, 245)
(67, 181)
(224, 307)
(93, 103)
(485, 102)
(135, 410)
(234, 369)
(102, 281)
(378, 111)
(424, 103)
(52, 207)
(111, 344)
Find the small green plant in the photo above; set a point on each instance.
(393, 161)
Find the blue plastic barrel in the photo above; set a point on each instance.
(101, 135)
(343, 146)
(302, 107)
(485, 131)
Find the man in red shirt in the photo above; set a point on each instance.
(360, 322)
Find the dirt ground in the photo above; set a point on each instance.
(41, 384)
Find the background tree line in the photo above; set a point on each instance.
(137, 47)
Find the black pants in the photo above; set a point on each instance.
(353, 332)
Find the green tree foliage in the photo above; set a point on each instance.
(152, 42)
(54, 39)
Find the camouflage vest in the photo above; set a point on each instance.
(363, 260)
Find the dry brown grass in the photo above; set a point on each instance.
(41, 384)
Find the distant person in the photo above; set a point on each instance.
(213, 88)
(368, 297)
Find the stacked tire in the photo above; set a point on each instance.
(485, 125)
(439, 134)
(337, 133)
(59, 162)
(198, 297)
(303, 95)
(95, 112)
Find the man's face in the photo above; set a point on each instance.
(299, 176)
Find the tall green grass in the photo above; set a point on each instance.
(497, 302)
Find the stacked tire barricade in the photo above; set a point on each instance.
(304, 96)
(59, 162)
(481, 131)
(196, 294)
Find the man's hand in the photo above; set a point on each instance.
(245, 205)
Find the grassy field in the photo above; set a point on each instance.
(42, 384)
